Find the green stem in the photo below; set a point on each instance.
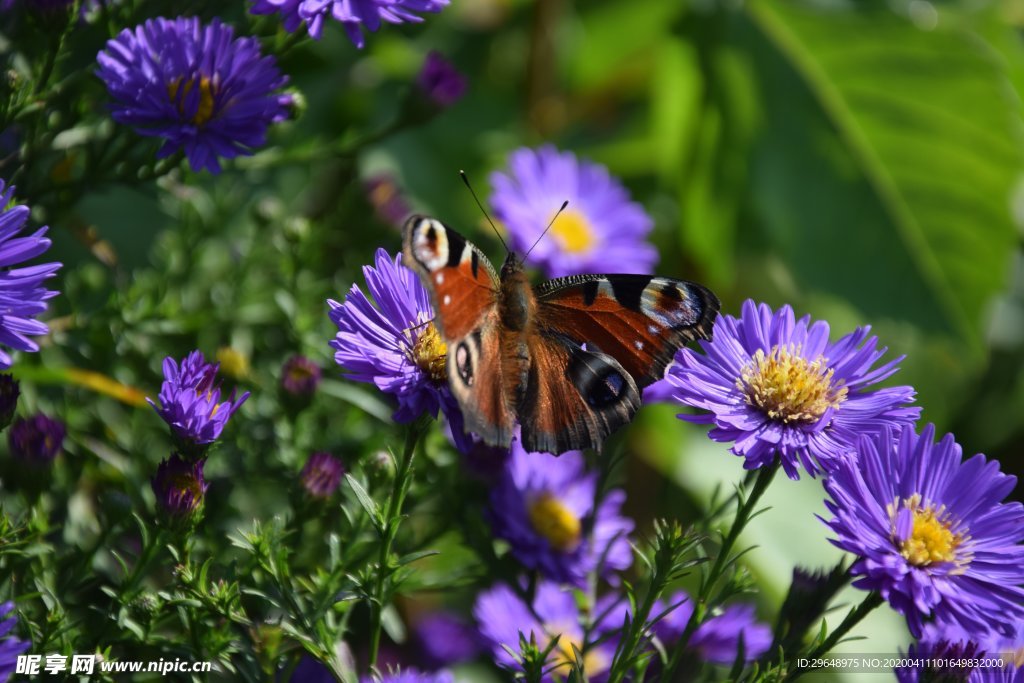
(388, 531)
(855, 616)
(743, 514)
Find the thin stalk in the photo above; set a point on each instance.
(855, 616)
(743, 514)
(389, 530)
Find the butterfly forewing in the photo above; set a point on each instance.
(461, 281)
(639, 320)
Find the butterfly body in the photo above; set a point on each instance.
(567, 359)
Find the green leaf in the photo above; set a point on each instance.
(890, 153)
(364, 499)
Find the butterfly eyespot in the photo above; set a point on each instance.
(464, 364)
(607, 390)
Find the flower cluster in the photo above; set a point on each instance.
(180, 488)
(321, 475)
(10, 646)
(37, 440)
(355, 17)
(195, 86)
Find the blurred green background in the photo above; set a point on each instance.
(860, 161)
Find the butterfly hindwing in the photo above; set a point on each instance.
(464, 291)
(639, 320)
(574, 397)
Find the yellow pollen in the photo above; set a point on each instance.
(555, 522)
(573, 232)
(204, 112)
(186, 482)
(430, 352)
(931, 539)
(787, 387)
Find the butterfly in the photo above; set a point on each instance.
(567, 359)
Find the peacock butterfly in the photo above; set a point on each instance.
(566, 359)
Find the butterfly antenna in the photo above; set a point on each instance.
(465, 180)
(555, 218)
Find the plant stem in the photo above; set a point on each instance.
(855, 616)
(388, 531)
(743, 513)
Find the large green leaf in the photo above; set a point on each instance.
(889, 153)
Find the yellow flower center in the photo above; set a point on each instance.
(932, 538)
(563, 656)
(787, 387)
(573, 232)
(555, 522)
(430, 352)
(186, 482)
(204, 112)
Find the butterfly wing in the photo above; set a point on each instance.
(464, 291)
(639, 320)
(574, 397)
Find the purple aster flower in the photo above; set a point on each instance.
(197, 87)
(10, 390)
(445, 639)
(300, 376)
(717, 640)
(10, 646)
(411, 676)
(354, 15)
(190, 401)
(392, 343)
(503, 616)
(36, 440)
(321, 475)
(930, 532)
(179, 487)
(22, 295)
(776, 387)
(601, 226)
(544, 507)
(440, 81)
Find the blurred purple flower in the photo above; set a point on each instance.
(36, 440)
(387, 199)
(602, 229)
(445, 639)
(776, 387)
(355, 16)
(190, 401)
(502, 616)
(391, 343)
(440, 81)
(300, 376)
(717, 640)
(544, 507)
(930, 532)
(22, 295)
(179, 487)
(321, 475)
(10, 646)
(411, 676)
(197, 87)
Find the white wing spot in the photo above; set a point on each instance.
(653, 329)
(439, 278)
(447, 299)
(639, 345)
